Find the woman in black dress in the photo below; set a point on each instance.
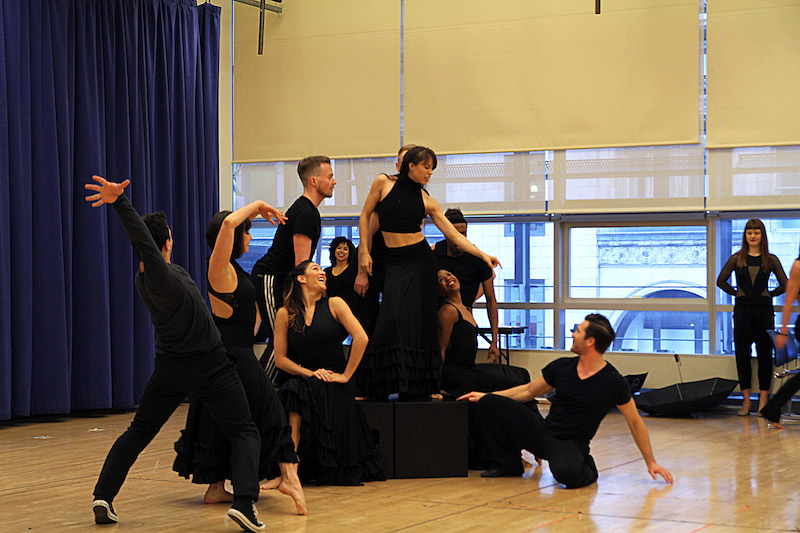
(404, 356)
(341, 275)
(203, 453)
(329, 430)
(458, 337)
(753, 314)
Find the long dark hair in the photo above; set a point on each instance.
(213, 228)
(417, 155)
(293, 297)
(741, 260)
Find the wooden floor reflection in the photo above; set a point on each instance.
(732, 474)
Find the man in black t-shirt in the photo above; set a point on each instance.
(472, 272)
(586, 388)
(294, 243)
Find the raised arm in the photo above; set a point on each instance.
(157, 272)
(642, 439)
(341, 313)
(221, 274)
(725, 274)
(777, 268)
(792, 289)
(433, 209)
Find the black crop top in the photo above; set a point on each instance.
(402, 210)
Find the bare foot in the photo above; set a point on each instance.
(216, 493)
(775, 425)
(294, 489)
(271, 484)
(436, 397)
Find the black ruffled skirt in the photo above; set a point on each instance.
(203, 451)
(403, 354)
(336, 446)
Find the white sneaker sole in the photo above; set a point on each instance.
(244, 522)
(103, 513)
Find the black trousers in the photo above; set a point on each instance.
(772, 411)
(750, 325)
(211, 378)
(507, 427)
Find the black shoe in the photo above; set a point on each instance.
(246, 516)
(494, 472)
(103, 512)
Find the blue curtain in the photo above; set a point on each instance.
(119, 88)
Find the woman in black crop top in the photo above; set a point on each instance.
(753, 314)
(202, 451)
(403, 355)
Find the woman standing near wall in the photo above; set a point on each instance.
(753, 314)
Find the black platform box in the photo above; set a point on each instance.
(380, 417)
(430, 439)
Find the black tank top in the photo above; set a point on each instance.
(238, 328)
(402, 210)
(463, 344)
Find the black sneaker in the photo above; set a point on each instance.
(103, 512)
(246, 516)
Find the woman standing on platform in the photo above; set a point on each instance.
(329, 430)
(404, 356)
(203, 453)
(753, 314)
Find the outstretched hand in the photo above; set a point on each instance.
(654, 469)
(492, 261)
(275, 216)
(107, 191)
(472, 396)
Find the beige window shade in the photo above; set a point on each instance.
(328, 82)
(752, 178)
(619, 180)
(522, 75)
(753, 73)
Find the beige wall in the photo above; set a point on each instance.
(225, 105)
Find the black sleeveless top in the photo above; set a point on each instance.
(238, 328)
(463, 344)
(320, 344)
(402, 210)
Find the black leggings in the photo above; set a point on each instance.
(211, 378)
(506, 427)
(750, 325)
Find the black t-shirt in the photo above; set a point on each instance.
(579, 405)
(303, 218)
(180, 316)
(470, 271)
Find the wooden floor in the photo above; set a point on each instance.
(732, 474)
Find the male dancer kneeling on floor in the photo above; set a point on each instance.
(190, 358)
(586, 388)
